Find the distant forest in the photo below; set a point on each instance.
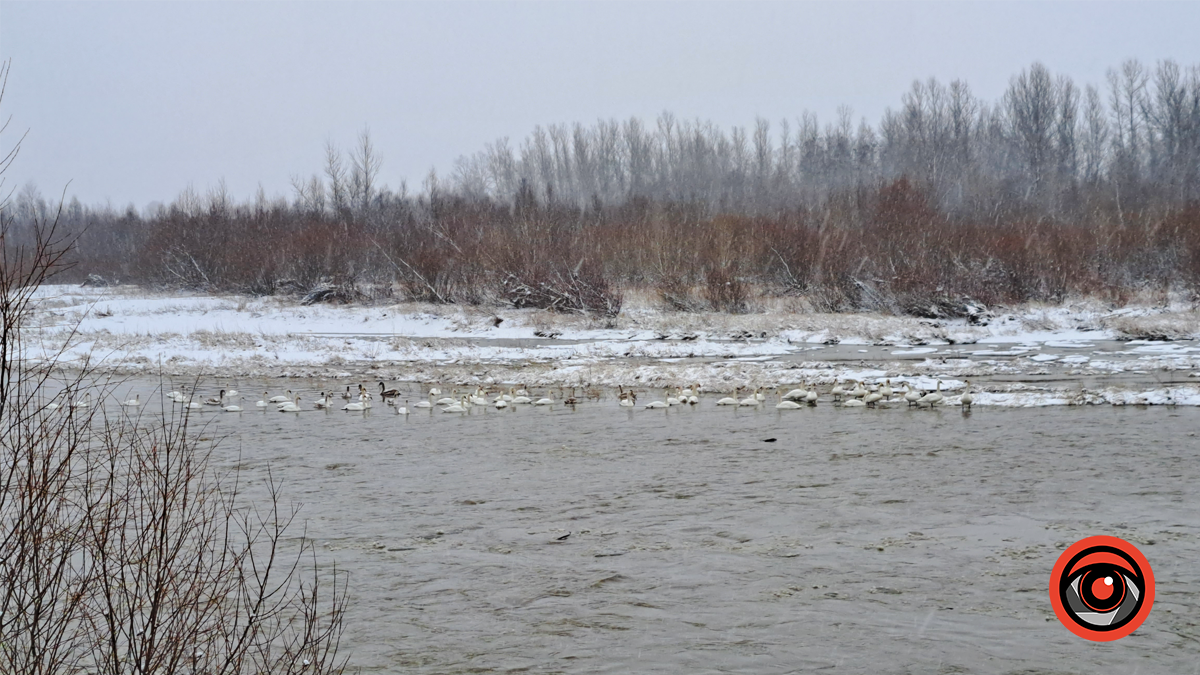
(1053, 190)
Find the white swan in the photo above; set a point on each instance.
(231, 408)
(500, 403)
(133, 402)
(231, 393)
(84, 402)
(402, 409)
(265, 402)
(626, 402)
(323, 402)
(911, 396)
(522, 399)
(543, 401)
(859, 390)
(423, 404)
(966, 399)
(455, 408)
(787, 405)
(752, 400)
(812, 397)
(759, 395)
(854, 403)
(362, 404)
(837, 391)
(656, 404)
(932, 399)
(795, 395)
(886, 390)
(872, 398)
(281, 398)
(291, 406)
(434, 391)
(728, 400)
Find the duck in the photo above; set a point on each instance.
(291, 406)
(388, 393)
(281, 398)
(966, 399)
(933, 398)
(133, 402)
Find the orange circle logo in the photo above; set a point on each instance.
(1102, 588)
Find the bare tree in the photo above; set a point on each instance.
(364, 175)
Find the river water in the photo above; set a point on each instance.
(601, 539)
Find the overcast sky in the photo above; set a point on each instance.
(132, 102)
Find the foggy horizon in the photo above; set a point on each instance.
(136, 103)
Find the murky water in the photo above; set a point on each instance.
(881, 541)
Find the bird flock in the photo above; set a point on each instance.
(855, 394)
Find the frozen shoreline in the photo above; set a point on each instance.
(1076, 353)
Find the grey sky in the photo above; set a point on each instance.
(132, 102)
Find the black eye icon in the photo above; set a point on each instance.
(1102, 588)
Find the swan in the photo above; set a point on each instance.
(84, 402)
(193, 405)
(671, 400)
(446, 400)
(454, 408)
(752, 400)
(231, 393)
(626, 400)
(854, 403)
(543, 401)
(478, 398)
(231, 408)
(886, 390)
(795, 395)
(966, 399)
(322, 402)
(787, 405)
(216, 400)
(759, 395)
(693, 399)
(501, 403)
(911, 396)
(362, 404)
(728, 400)
(434, 391)
(812, 397)
(133, 402)
(686, 393)
(402, 409)
(522, 399)
(656, 404)
(837, 391)
(521, 391)
(423, 404)
(387, 393)
(281, 398)
(265, 402)
(859, 390)
(933, 398)
(51, 406)
(291, 406)
(872, 398)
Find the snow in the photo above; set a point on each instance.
(137, 331)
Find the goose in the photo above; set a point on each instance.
(455, 408)
(543, 401)
(84, 402)
(656, 404)
(854, 403)
(837, 391)
(795, 395)
(933, 398)
(787, 405)
(346, 394)
(911, 396)
(387, 393)
(323, 402)
(571, 400)
(281, 398)
(291, 406)
(266, 402)
(216, 400)
(966, 399)
(402, 409)
(133, 402)
(886, 390)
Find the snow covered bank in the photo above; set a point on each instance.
(1037, 355)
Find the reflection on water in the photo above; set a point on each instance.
(604, 539)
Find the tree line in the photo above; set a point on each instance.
(1053, 189)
